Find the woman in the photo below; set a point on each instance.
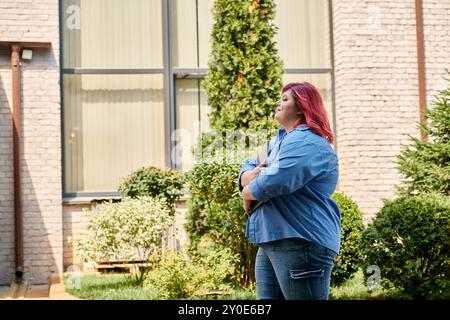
(297, 228)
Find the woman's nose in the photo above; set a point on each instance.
(278, 105)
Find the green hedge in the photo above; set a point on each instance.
(409, 241)
(154, 182)
(349, 259)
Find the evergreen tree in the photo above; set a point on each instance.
(426, 164)
(244, 78)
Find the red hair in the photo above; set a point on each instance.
(308, 99)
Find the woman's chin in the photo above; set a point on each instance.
(277, 118)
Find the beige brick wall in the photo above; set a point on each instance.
(74, 223)
(41, 142)
(376, 94)
(6, 176)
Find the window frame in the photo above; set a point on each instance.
(170, 74)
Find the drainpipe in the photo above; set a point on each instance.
(421, 65)
(16, 47)
(18, 216)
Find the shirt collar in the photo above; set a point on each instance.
(301, 127)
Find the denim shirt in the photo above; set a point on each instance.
(296, 189)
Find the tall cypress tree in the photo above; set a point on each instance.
(244, 77)
(426, 164)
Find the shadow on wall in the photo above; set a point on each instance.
(41, 167)
(6, 173)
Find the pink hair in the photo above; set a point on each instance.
(308, 99)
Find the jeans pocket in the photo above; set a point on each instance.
(308, 284)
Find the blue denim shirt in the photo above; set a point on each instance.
(296, 189)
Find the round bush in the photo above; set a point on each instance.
(349, 258)
(154, 182)
(131, 229)
(409, 241)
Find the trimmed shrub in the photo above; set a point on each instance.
(349, 259)
(409, 241)
(128, 230)
(154, 182)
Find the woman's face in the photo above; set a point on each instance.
(287, 112)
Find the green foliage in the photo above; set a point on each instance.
(244, 77)
(215, 209)
(178, 277)
(213, 267)
(349, 259)
(231, 147)
(409, 241)
(128, 230)
(171, 279)
(426, 165)
(154, 182)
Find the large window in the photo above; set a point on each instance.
(131, 74)
(113, 91)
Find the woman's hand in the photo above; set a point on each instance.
(247, 206)
(247, 195)
(249, 175)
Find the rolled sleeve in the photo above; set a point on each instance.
(249, 164)
(256, 191)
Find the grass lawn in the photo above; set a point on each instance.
(356, 289)
(116, 287)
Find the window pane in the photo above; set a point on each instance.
(112, 33)
(303, 36)
(192, 118)
(205, 24)
(113, 125)
(322, 82)
(192, 24)
(184, 42)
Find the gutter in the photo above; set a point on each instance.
(16, 47)
(421, 66)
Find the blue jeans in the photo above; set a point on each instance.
(293, 269)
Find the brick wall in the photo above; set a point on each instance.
(74, 222)
(6, 174)
(41, 142)
(376, 94)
